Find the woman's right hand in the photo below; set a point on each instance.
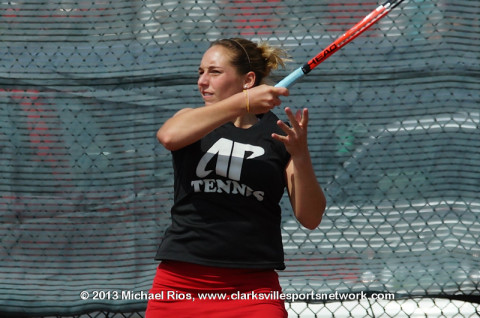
(264, 98)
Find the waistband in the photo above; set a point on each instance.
(193, 276)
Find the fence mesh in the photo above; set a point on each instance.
(394, 136)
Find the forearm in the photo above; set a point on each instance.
(306, 195)
(191, 125)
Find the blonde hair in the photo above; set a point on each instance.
(248, 56)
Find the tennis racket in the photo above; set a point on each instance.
(340, 42)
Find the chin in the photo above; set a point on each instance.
(209, 101)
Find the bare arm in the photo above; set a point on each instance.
(306, 195)
(190, 125)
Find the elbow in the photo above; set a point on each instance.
(311, 224)
(313, 219)
(167, 140)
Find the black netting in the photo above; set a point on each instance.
(85, 188)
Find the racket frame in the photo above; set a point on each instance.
(340, 42)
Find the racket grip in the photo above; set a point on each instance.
(291, 78)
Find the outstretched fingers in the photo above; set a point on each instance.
(295, 138)
(299, 121)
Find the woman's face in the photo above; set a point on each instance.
(218, 78)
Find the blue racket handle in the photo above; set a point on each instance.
(291, 78)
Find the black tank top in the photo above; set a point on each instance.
(226, 210)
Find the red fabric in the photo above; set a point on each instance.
(179, 287)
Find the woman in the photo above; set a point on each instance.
(232, 160)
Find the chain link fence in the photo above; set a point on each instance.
(85, 189)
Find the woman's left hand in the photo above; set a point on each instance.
(306, 195)
(296, 136)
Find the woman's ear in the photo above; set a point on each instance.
(250, 78)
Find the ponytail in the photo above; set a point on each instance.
(248, 56)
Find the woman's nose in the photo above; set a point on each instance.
(202, 80)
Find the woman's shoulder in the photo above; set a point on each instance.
(269, 117)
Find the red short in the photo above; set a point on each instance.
(188, 290)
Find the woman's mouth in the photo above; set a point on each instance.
(207, 96)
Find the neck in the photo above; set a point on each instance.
(245, 121)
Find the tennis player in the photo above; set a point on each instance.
(232, 160)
